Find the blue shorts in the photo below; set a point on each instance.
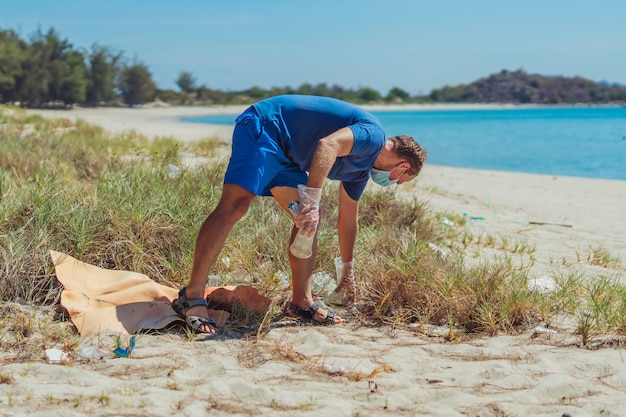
(257, 163)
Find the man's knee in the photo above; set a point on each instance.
(240, 206)
(233, 209)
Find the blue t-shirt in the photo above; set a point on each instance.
(298, 122)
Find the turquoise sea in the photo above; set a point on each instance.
(571, 141)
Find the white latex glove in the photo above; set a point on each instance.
(308, 217)
(345, 293)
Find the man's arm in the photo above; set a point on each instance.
(328, 150)
(347, 226)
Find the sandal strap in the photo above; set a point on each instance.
(300, 312)
(315, 306)
(308, 313)
(182, 303)
(330, 318)
(194, 302)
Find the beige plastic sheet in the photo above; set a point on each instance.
(100, 300)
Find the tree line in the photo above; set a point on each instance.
(47, 70)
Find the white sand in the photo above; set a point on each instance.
(285, 373)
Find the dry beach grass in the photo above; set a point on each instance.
(426, 346)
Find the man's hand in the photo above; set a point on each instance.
(308, 216)
(347, 284)
(307, 220)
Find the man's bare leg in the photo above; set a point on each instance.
(233, 205)
(301, 269)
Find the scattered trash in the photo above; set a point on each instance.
(545, 330)
(543, 283)
(438, 249)
(92, 352)
(215, 281)
(550, 224)
(55, 355)
(447, 332)
(322, 283)
(372, 386)
(334, 369)
(283, 279)
(121, 352)
(172, 171)
(335, 298)
(22, 302)
(473, 218)
(447, 222)
(238, 277)
(28, 130)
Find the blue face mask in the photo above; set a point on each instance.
(382, 177)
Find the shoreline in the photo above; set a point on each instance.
(397, 371)
(167, 121)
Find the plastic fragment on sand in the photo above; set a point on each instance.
(172, 171)
(545, 330)
(438, 249)
(215, 281)
(473, 218)
(121, 352)
(334, 369)
(447, 222)
(544, 283)
(92, 352)
(322, 283)
(55, 355)
(282, 279)
(549, 224)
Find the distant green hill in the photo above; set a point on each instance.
(519, 87)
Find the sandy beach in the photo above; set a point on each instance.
(350, 370)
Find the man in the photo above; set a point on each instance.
(291, 142)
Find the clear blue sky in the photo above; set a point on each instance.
(416, 45)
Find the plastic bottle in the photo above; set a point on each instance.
(302, 245)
